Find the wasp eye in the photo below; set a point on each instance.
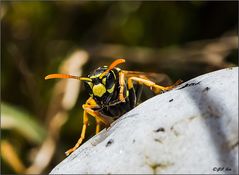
(88, 87)
(110, 80)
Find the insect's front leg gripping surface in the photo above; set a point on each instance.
(85, 124)
(97, 130)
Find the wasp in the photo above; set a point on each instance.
(112, 93)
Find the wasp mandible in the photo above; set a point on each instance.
(112, 94)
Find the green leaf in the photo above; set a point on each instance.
(17, 119)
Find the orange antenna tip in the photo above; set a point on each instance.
(114, 64)
(58, 76)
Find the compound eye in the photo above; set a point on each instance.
(110, 80)
(88, 87)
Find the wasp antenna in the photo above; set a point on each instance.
(114, 64)
(85, 79)
(51, 76)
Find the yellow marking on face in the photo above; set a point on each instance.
(99, 90)
(111, 89)
(85, 79)
(104, 81)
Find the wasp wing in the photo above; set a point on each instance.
(159, 78)
(142, 92)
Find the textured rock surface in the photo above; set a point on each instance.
(192, 129)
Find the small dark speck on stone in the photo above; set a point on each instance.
(133, 140)
(191, 84)
(158, 140)
(109, 142)
(171, 100)
(206, 89)
(160, 130)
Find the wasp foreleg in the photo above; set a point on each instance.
(98, 122)
(85, 123)
(89, 109)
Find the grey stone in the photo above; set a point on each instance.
(191, 129)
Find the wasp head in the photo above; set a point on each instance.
(104, 82)
(101, 84)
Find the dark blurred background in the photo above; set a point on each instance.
(41, 119)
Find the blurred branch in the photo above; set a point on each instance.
(28, 77)
(3, 11)
(9, 154)
(208, 52)
(63, 99)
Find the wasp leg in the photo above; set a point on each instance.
(122, 76)
(121, 83)
(97, 115)
(153, 86)
(98, 122)
(89, 109)
(90, 106)
(85, 121)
